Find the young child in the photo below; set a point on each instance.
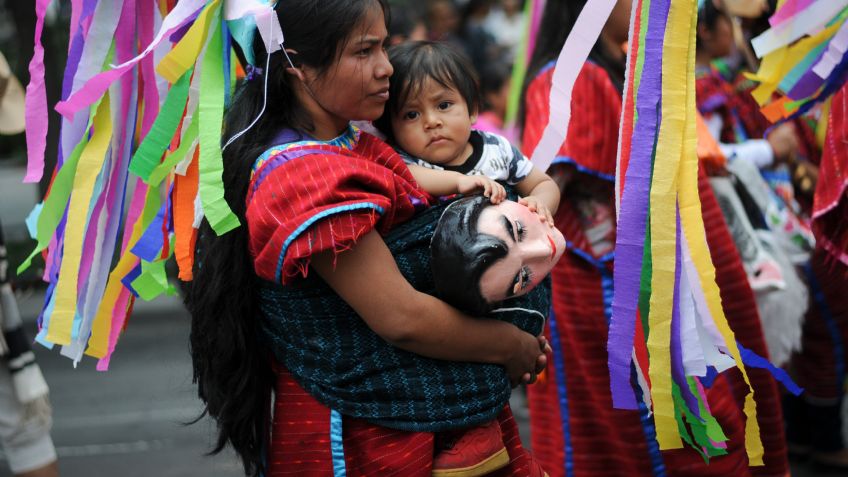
(433, 101)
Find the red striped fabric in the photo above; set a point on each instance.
(371, 175)
(300, 442)
(595, 112)
(830, 207)
(607, 441)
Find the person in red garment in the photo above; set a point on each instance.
(314, 299)
(575, 430)
(815, 419)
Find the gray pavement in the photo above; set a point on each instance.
(129, 421)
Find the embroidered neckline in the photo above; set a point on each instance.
(347, 140)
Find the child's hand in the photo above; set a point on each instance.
(536, 205)
(490, 188)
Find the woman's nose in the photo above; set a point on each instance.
(384, 68)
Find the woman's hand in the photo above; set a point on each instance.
(536, 204)
(529, 359)
(490, 188)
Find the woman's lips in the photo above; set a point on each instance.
(553, 247)
(383, 95)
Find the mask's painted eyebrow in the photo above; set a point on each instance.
(509, 229)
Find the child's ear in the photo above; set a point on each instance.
(473, 116)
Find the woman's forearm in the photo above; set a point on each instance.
(368, 279)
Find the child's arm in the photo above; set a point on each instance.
(439, 183)
(540, 193)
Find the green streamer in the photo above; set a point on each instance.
(174, 158)
(211, 114)
(519, 67)
(56, 203)
(154, 145)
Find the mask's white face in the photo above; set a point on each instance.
(533, 250)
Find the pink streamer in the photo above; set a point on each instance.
(184, 12)
(788, 10)
(36, 102)
(535, 22)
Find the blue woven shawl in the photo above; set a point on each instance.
(335, 357)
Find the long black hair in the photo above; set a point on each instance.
(232, 371)
(558, 20)
(414, 63)
(460, 254)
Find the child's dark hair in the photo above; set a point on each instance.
(232, 371)
(709, 15)
(417, 61)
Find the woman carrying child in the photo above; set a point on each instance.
(308, 300)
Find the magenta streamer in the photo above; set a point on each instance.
(632, 219)
(36, 102)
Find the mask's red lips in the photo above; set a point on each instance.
(553, 247)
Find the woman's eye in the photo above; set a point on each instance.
(410, 115)
(520, 230)
(445, 105)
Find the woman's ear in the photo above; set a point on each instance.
(294, 64)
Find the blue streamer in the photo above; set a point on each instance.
(753, 360)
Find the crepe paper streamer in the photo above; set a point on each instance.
(171, 160)
(36, 102)
(178, 61)
(746, 8)
(809, 20)
(151, 149)
(635, 58)
(821, 127)
(634, 206)
(185, 190)
(183, 12)
(577, 46)
(836, 50)
(693, 228)
(221, 218)
(519, 65)
(663, 209)
(90, 163)
(754, 360)
(788, 10)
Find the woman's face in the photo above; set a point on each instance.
(533, 249)
(356, 87)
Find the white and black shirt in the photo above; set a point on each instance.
(493, 156)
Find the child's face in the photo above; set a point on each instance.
(435, 125)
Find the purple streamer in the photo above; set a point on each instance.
(630, 236)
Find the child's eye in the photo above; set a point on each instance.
(410, 115)
(526, 278)
(445, 105)
(363, 52)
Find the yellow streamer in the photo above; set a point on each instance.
(182, 57)
(98, 344)
(663, 216)
(821, 127)
(691, 217)
(776, 66)
(90, 164)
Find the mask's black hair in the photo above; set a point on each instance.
(459, 255)
(232, 371)
(416, 62)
